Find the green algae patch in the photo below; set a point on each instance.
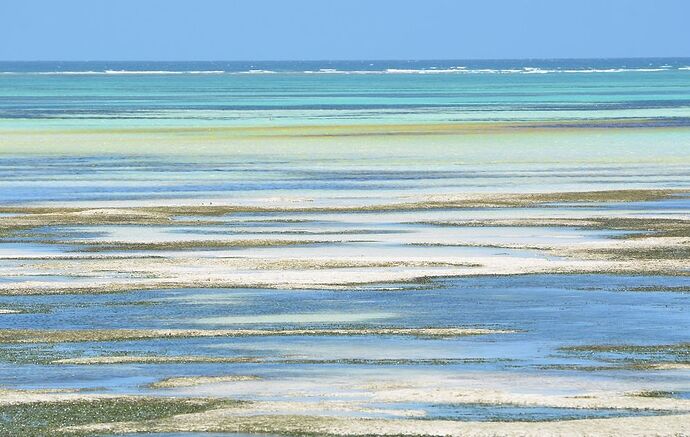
(282, 424)
(326, 264)
(22, 336)
(606, 196)
(637, 357)
(642, 227)
(195, 359)
(628, 348)
(388, 361)
(653, 394)
(46, 354)
(579, 367)
(680, 252)
(31, 354)
(155, 359)
(48, 418)
(31, 217)
(189, 245)
(661, 289)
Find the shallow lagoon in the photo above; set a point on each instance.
(548, 311)
(310, 153)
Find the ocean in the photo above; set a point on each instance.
(329, 126)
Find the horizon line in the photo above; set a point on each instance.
(353, 59)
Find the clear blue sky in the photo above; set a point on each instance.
(341, 29)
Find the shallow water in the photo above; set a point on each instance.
(548, 311)
(511, 413)
(311, 147)
(108, 137)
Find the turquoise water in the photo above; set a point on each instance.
(98, 94)
(543, 125)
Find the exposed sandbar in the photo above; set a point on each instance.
(10, 336)
(190, 381)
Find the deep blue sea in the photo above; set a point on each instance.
(505, 66)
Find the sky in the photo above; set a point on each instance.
(341, 29)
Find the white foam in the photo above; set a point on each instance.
(615, 70)
(163, 72)
(430, 70)
(110, 72)
(465, 70)
(255, 71)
